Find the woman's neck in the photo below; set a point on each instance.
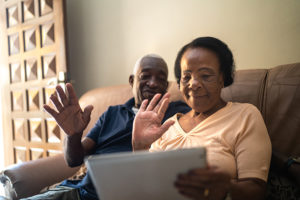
(209, 112)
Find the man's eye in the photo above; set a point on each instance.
(144, 76)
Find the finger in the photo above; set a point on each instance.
(51, 111)
(205, 170)
(187, 182)
(153, 102)
(210, 174)
(166, 96)
(87, 113)
(143, 105)
(166, 126)
(56, 103)
(62, 95)
(72, 95)
(163, 108)
(192, 193)
(204, 178)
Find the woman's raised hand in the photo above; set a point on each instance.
(147, 125)
(69, 115)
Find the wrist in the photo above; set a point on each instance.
(138, 146)
(74, 138)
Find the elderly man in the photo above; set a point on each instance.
(112, 132)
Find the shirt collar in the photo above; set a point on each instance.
(129, 104)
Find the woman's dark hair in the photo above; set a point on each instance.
(219, 48)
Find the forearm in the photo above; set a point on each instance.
(247, 189)
(74, 151)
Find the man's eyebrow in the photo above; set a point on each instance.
(160, 70)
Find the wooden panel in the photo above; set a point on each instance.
(19, 130)
(31, 69)
(15, 72)
(32, 56)
(35, 130)
(36, 153)
(33, 99)
(20, 154)
(53, 132)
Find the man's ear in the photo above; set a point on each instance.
(131, 79)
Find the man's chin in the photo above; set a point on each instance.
(148, 97)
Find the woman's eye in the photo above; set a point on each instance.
(208, 77)
(186, 78)
(204, 77)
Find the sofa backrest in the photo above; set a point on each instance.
(282, 108)
(275, 92)
(248, 87)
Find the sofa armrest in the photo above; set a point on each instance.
(29, 178)
(6, 188)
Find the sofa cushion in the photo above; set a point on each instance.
(282, 108)
(248, 87)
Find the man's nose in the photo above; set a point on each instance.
(152, 82)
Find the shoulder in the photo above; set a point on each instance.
(114, 110)
(244, 108)
(127, 105)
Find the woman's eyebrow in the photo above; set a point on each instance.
(206, 69)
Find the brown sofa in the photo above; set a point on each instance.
(275, 92)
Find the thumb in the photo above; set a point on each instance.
(87, 113)
(166, 125)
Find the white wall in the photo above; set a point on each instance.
(106, 37)
(1, 139)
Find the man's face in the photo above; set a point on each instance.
(151, 78)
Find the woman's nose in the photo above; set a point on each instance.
(195, 83)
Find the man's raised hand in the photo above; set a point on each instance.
(69, 115)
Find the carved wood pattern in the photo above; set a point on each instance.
(33, 56)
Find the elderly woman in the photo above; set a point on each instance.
(234, 134)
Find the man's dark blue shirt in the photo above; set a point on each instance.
(112, 133)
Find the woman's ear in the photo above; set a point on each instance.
(131, 79)
(167, 87)
(178, 83)
(222, 81)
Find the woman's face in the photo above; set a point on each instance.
(201, 80)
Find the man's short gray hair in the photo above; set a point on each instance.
(137, 64)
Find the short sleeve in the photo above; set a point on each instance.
(94, 133)
(155, 146)
(253, 146)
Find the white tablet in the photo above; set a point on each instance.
(142, 175)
